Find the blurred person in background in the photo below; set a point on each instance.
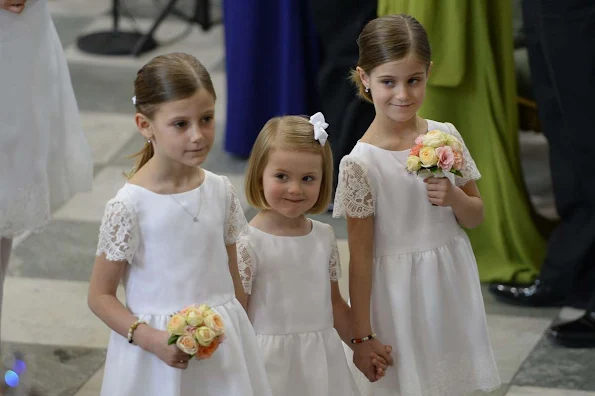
(347, 115)
(561, 46)
(44, 156)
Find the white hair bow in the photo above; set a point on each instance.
(134, 100)
(320, 126)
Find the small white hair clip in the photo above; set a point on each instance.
(134, 100)
(320, 126)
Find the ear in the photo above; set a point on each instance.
(144, 125)
(363, 76)
(429, 71)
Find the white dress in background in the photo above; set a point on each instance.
(289, 282)
(175, 262)
(44, 157)
(426, 297)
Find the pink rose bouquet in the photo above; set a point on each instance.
(435, 154)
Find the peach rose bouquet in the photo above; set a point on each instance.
(196, 330)
(435, 154)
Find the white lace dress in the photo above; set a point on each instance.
(289, 282)
(44, 157)
(175, 262)
(426, 298)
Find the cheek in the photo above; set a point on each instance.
(209, 133)
(420, 91)
(385, 94)
(272, 187)
(314, 190)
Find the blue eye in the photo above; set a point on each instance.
(388, 82)
(413, 81)
(308, 179)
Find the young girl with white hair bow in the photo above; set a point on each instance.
(289, 264)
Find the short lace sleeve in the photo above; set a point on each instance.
(246, 260)
(119, 233)
(354, 196)
(470, 171)
(334, 267)
(235, 220)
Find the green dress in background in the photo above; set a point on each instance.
(472, 85)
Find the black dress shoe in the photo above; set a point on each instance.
(536, 294)
(576, 334)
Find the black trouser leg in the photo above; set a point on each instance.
(338, 24)
(560, 41)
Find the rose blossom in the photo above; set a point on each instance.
(446, 158)
(187, 344)
(459, 160)
(415, 150)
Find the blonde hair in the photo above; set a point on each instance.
(287, 133)
(166, 78)
(387, 39)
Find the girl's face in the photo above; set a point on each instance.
(291, 181)
(398, 88)
(183, 131)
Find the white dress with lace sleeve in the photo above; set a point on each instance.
(291, 310)
(426, 297)
(176, 262)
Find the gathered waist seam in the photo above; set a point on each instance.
(422, 249)
(293, 333)
(214, 305)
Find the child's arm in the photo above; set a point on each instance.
(103, 302)
(241, 295)
(468, 209)
(361, 244)
(341, 314)
(466, 202)
(102, 298)
(342, 320)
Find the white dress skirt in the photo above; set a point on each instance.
(44, 156)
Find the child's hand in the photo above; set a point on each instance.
(441, 192)
(155, 341)
(16, 6)
(363, 355)
(380, 363)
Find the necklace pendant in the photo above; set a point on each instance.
(195, 220)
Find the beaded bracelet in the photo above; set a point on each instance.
(133, 327)
(360, 340)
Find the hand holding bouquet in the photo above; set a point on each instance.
(434, 154)
(196, 330)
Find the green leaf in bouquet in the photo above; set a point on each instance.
(172, 339)
(457, 172)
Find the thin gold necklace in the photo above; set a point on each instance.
(194, 217)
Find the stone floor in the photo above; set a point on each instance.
(49, 273)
